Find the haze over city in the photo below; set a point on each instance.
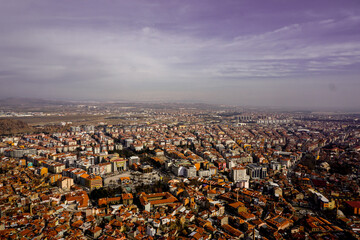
(302, 54)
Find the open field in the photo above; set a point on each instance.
(80, 119)
(75, 119)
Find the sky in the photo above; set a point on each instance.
(283, 53)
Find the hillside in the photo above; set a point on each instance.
(11, 126)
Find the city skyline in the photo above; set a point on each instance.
(266, 53)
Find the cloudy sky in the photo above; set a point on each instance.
(241, 52)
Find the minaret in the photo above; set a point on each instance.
(337, 208)
(31, 209)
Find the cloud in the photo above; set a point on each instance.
(152, 54)
(149, 53)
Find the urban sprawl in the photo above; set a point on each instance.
(185, 175)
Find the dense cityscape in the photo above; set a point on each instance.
(176, 120)
(196, 173)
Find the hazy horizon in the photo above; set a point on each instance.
(300, 54)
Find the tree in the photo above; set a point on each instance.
(309, 161)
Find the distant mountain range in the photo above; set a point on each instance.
(30, 102)
(26, 103)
